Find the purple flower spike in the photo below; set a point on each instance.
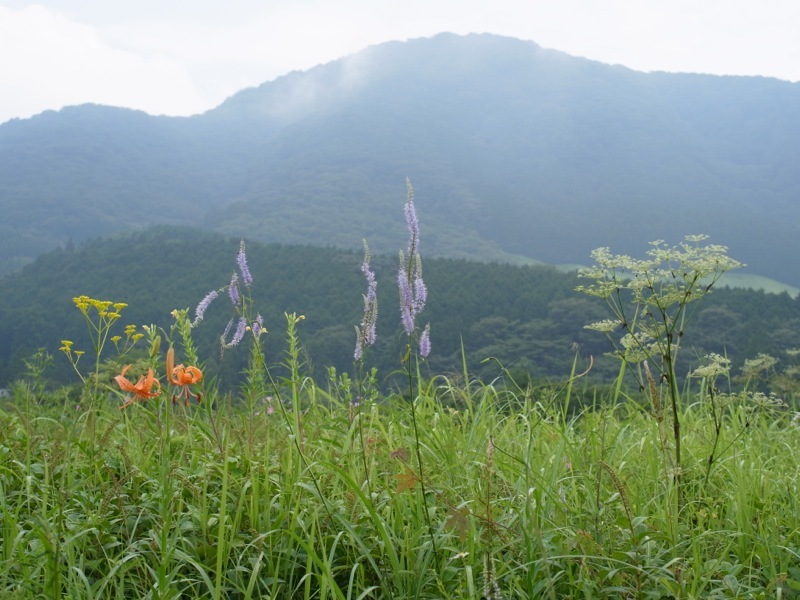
(233, 290)
(413, 292)
(225, 333)
(358, 353)
(425, 341)
(365, 335)
(241, 259)
(200, 311)
(420, 292)
(239, 333)
(413, 226)
(407, 311)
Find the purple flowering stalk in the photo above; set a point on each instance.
(233, 290)
(413, 295)
(413, 292)
(238, 335)
(411, 220)
(200, 311)
(241, 303)
(425, 341)
(365, 334)
(241, 260)
(225, 333)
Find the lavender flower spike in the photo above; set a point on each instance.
(413, 292)
(407, 311)
(411, 221)
(365, 335)
(420, 290)
(200, 311)
(358, 353)
(225, 333)
(370, 299)
(238, 335)
(241, 259)
(233, 290)
(425, 341)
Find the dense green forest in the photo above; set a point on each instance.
(517, 153)
(528, 318)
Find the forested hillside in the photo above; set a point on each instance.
(529, 318)
(517, 154)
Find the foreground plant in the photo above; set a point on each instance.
(413, 292)
(100, 317)
(652, 301)
(413, 295)
(366, 332)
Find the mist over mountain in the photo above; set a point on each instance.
(516, 153)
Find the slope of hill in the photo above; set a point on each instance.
(160, 269)
(516, 153)
(528, 318)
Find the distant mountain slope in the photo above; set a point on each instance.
(529, 319)
(516, 153)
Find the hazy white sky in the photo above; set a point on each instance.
(177, 57)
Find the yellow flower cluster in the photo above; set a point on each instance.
(66, 348)
(103, 307)
(100, 315)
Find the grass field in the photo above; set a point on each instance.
(317, 496)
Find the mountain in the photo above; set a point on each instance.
(516, 153)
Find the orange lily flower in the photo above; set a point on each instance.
(182, 377)
(141, 390)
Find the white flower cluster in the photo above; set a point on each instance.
(753, 367)
(717, 366)
(604, 326)
(648, 298)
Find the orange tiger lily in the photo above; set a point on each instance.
(141, 390)
(182, 377)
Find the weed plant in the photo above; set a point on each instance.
(452, 488)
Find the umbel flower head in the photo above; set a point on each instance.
(413, 292)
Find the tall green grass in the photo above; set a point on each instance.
(525, 500)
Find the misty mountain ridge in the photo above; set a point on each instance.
(516, 153)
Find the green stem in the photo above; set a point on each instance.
(417, 447)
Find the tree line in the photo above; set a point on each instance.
(523, 320)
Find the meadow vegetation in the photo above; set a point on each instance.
(154, 483)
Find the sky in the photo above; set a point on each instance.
(176, 57)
